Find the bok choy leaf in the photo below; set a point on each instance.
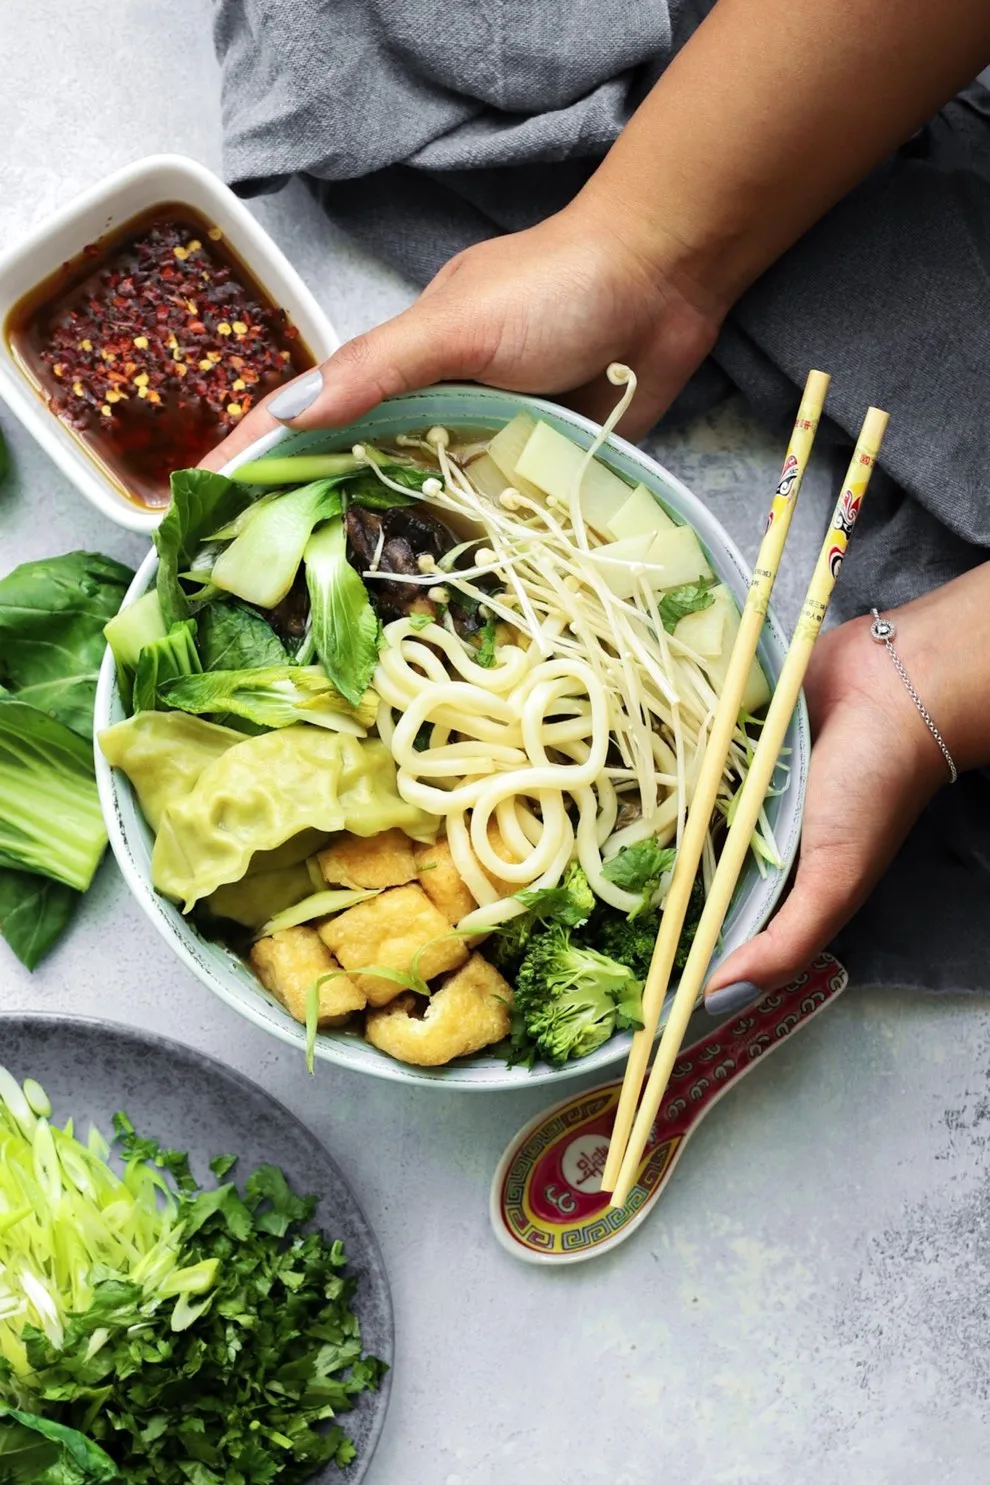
(137, 625)
(232, 637)
(201, 501)
(52, 614)
(275, 696)
(162, 660)
(261, 563)
(50, 817)
(34, 913)
(345, 627)
(34, 1451)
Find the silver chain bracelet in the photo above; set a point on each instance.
(883, 631)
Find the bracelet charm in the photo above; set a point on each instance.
(883, 631)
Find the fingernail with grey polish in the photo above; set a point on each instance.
(297, 396)
(731, 998)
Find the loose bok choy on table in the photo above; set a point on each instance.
(416, 727)
(52, 615)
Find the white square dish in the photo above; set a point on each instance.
(156, 180)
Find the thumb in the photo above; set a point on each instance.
(424, 344)
(819, 902)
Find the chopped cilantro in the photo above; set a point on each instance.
(486, 644)
(230, 1368)
(677, 602)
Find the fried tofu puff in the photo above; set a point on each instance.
(469, 1011)
(498, 845)
(442, 882)
(384, 860)
(289, 962)
(400, 929)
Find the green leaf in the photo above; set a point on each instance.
(276, 1207)
(571, 902)
(140, 1148)
(25, 1456)
(35, 1451)
(276, 696)
(164, 660)
(233, 637)
(689, 599)
(137, 625)
(225, 1202)
(52, 615)
(214, 1345)
(260, 564)
(486, 644)
(367, 490)
(201, 501)
(34, 913)
(641, 868)
(346, 630)
(50, 817)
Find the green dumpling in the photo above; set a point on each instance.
(163, 754)
(266, 790)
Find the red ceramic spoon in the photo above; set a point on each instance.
(547, 1205)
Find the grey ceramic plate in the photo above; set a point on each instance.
(92, 1068)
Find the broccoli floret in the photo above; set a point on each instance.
(570, 903)
(629, 940)
(508, 944)
(696, 906)
(570, 998)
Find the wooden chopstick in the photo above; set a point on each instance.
(723, 727)
(753, 792)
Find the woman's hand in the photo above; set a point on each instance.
(544, 310)
(874, 766)
(704, 188)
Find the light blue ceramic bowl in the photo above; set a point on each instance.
(224, 974)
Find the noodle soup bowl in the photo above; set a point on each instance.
(470, 408)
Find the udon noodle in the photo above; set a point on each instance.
(590, 715)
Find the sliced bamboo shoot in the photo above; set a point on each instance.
(504, 451)
(487, 478)
(623, 564)
(552, 462)
(641, 515)
(704, 631)
(678, 553)
(757, 692)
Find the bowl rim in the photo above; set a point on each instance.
(342, 1050)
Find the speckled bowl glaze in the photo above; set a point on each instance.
(467, 407)
(91, 1068)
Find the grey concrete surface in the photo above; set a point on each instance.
(809, 1301)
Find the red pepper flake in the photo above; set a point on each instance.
(166, 290)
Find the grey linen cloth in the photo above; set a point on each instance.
(424, 128)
